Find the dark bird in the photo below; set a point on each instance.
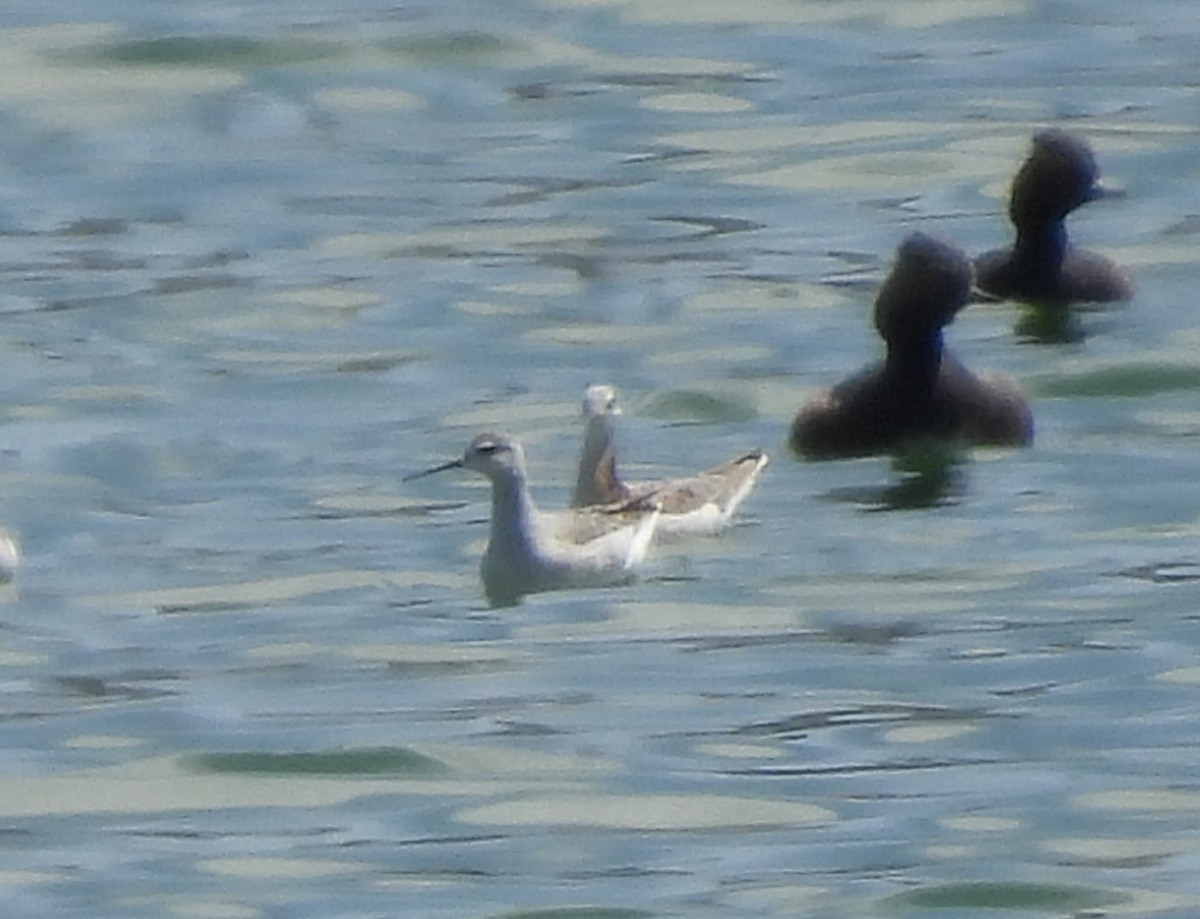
(1042, 266)
(920, 392)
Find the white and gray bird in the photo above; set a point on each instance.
(699, 504)
(530, 550)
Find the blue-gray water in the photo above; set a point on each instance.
(260, 259)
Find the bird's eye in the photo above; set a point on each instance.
(488, 448)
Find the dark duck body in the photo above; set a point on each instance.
(920, 392)
(1042, 266)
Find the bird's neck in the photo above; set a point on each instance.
(914, 362)
(513, 512)
(597, 481)
(1041, 246)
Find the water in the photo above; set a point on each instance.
(259, 260)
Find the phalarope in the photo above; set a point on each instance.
(530, 550)
(920, 392)
(1059, 175)
(695, 505)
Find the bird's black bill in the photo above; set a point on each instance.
(453, 464)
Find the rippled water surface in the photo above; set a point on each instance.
(260, 259)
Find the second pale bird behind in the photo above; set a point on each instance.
(699, 504)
